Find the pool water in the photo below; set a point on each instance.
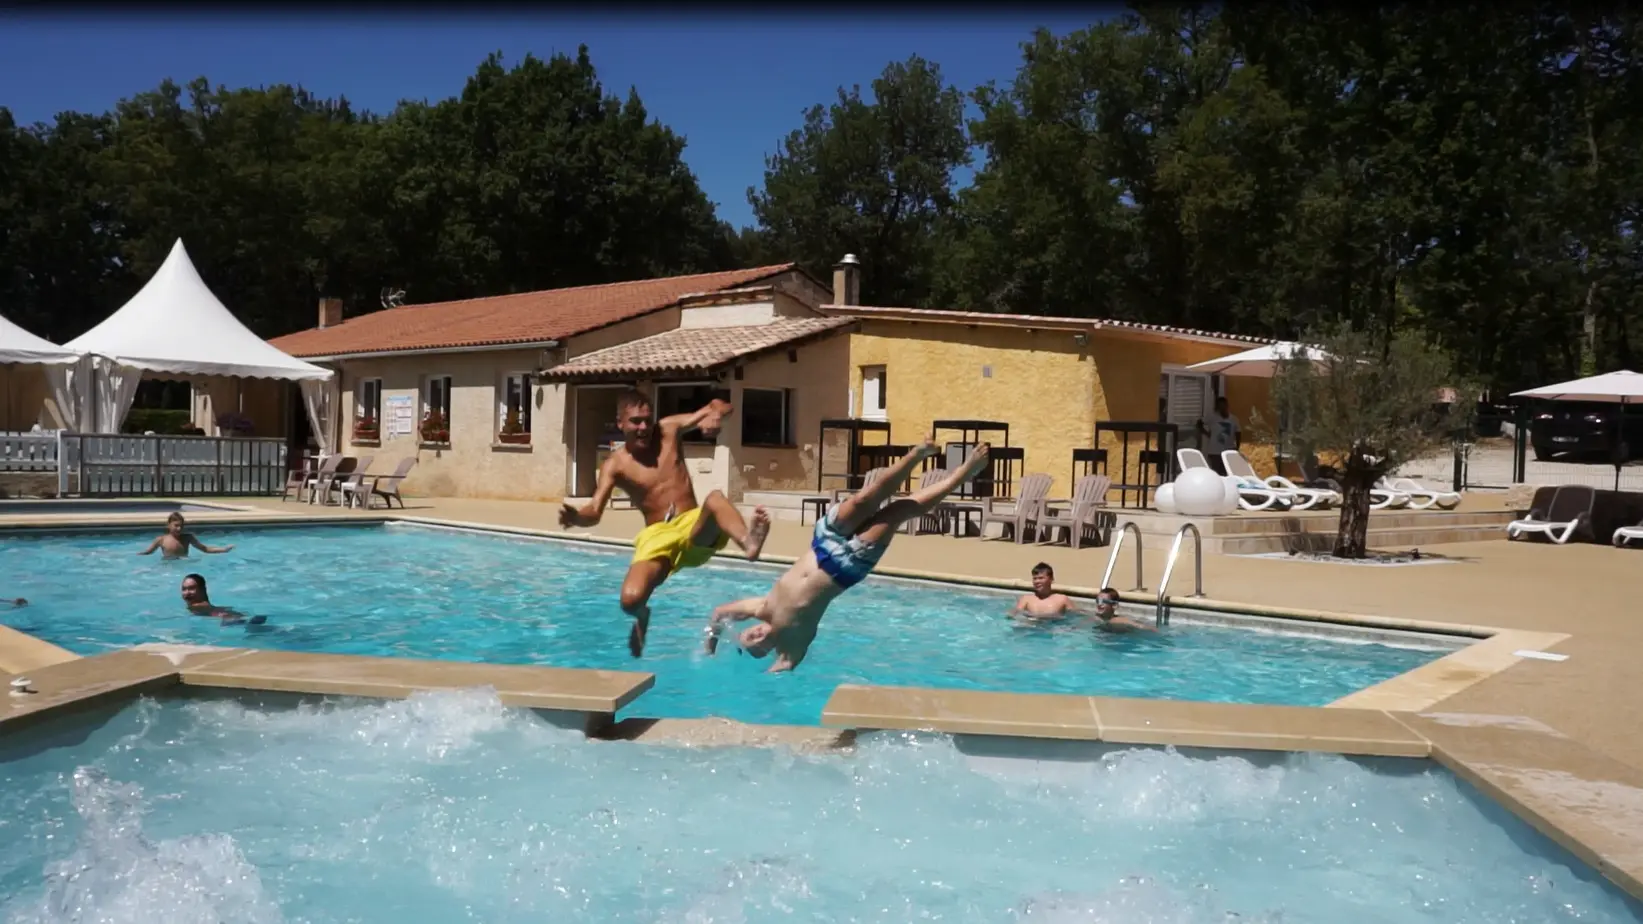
(450, 808)
(432, 593)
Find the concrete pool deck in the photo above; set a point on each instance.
(1555, 740)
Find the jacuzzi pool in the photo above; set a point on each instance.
(448, 807)
(75, 507)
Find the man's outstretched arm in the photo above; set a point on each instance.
(590, 513)
(730, 612)
(706, 418)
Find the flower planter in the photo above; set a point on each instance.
(514, 439)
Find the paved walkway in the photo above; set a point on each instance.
(1591, 592)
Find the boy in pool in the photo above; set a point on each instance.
(199, 603)
(847, 543)
(175, 542)
(1107, 618)
(1043, 603)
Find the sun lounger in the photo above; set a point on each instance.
(1017, 516)
(341, 483)
(1420, 497)
(1086, 520)
(320, 483)
(1626, 534)
(1568, 513)
(1253, 493)
(1238, 466)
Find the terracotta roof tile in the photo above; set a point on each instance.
(694, 349)
(529, 317)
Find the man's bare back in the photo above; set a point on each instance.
(852, 536)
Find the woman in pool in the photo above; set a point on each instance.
(846, 546)
(199, 603)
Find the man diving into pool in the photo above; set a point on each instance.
(847, 544)
(650, 468)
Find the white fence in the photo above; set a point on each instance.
(107, 465)
(28, 452)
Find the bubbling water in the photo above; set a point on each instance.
(448, 807)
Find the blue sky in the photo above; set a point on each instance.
(734, 85)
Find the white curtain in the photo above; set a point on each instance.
(319, 399)
(69, 390)
(116, 388)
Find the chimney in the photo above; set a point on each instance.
(847, 281)
(330, 312)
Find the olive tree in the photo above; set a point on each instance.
(1369, 405)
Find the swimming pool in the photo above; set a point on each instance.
(73, 507)
(449, 808)
(431, 593)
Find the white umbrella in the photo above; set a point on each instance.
(1260, 362)
(1621, 387)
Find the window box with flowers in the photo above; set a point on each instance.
(435, 428)
(367, 430)
(513, 432)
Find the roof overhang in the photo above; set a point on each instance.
(1040, 322)
(561, 373)
(429, 351)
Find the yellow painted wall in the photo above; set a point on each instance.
(25, 397)
(1050, 389)
(1042, 383)
(821, 380)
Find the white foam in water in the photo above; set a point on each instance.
(451, 808)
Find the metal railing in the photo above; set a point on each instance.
(28, 452)
(1117, 546)
(1161, 614)
(110, 465)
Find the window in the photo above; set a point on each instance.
(513, 407)
(687, 398)
(767, 416)
(368, 400)
(874, 397)
(436, 409)
(1184, 399)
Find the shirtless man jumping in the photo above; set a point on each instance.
(847, 544)
(650, 469)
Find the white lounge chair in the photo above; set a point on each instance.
(1566, 513)
(1626, 534)
(1300, 498)
(1420, 496)
(1379, 498)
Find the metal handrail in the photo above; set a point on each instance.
(1118, 544)
(1161, 615)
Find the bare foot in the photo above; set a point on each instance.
(757, 532)
(636, 636)
(926, 449)
(976, 462)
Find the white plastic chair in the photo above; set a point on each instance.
(1569, 511)
(1420, 496)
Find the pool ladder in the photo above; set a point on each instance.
(1161, 612)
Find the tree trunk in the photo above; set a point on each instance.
(1352, 539)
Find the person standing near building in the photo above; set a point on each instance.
(1223, 433)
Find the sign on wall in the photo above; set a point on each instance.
(400, 414)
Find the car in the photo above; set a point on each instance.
(1585, 428)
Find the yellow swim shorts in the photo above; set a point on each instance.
(669, 540)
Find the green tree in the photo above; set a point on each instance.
(1369, 408)
(870, 178)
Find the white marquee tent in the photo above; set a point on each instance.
(174, 324)
(19, 347)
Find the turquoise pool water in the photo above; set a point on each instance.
(430, 593)
(450, 808)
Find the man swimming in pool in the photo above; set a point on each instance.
(650, 468)
(1107, 618)
(847, 544)
(199, 603)
(175, 543)
(1044, 603)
